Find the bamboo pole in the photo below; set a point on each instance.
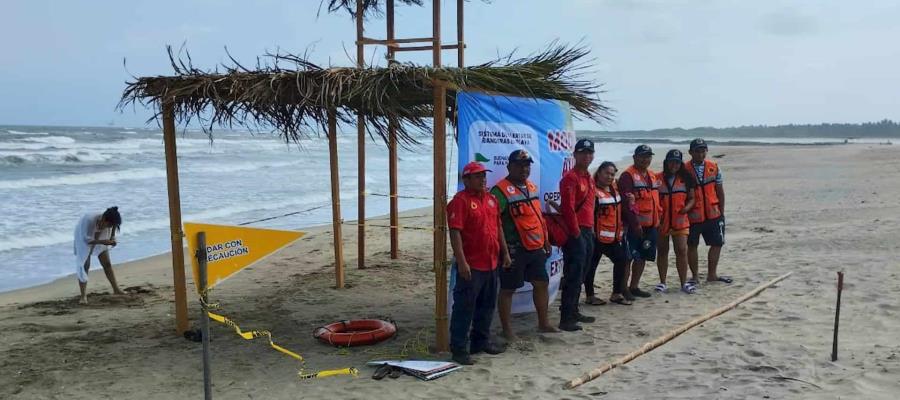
(335, 201)
(647, 347)
(440, 193)
(361, 147)
(392, 149)
(181, 319)
(460, 42)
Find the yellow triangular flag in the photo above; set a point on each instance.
(233, 248)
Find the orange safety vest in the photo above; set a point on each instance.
(706, 205)
(609, 227)
(673, 199)
(646, 197)
(525, 210)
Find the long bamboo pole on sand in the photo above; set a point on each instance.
(647, 347)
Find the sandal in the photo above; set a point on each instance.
(639, 293)
(594, 301)
(725, 279)
(627, 295)
(689, 289)
(661, 288)
(381, 372)
(621, 300)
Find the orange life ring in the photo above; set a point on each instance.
(358, 332)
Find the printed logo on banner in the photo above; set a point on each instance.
(561, 141)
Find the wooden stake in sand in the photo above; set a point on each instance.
(837, 316)
(647, 347)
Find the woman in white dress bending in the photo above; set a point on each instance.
(94, 235)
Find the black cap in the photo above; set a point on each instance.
(521, 156)
(643, 150)
(674, 155)
(584, 145)
(698, 143)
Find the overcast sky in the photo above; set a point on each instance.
(664, 63)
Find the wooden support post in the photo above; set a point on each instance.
(837, 316)
(361, 146)
(335, 201)
(181, 319)
(440, 194)
(460, 42)
(392, 149)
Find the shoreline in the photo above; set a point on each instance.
(789, 209)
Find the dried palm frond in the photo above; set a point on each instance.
(296, 100)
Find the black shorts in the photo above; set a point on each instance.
(713, 231)
(527, 265)
(644, 248)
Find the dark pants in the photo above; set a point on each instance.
(474, 302)
(576, 255)
(618, 255)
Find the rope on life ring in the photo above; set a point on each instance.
(358, 332)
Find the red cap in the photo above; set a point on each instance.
(473, 167)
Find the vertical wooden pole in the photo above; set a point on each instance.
(837, 316)
(204, 317)
(460, 41)
(392, 148)
(181, 319)
(335, 201)
(361, 145)
(440, 192)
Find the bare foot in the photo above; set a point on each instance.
(510, 337)
(118, 291)
(548, 329)
(82, 300)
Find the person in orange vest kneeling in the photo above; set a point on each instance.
(676, 194)
(526, 236)
(474, 222)
(609, 230)
(640, 186)
(708, 215)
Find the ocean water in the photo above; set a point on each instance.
(50, 176)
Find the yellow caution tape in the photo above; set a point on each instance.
(303, 374)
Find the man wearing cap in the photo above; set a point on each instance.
(526, 236)
(640, 187)
(577, 196)
(474, 222)
(707, 217)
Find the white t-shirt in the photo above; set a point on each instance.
(84, 233)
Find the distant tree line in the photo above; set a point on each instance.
(882, 129)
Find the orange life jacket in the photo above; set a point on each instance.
(673, 198)
(706, 201)
(608, 226)
(525, 210)
(646, 197)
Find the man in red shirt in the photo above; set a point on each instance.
(474, 220)
(577, 196)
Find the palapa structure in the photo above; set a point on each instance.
(396, 103)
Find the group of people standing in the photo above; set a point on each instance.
(501, 238)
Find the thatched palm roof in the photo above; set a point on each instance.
(297, 100)
(370, 6)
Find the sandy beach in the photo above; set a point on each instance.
(813, 210)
